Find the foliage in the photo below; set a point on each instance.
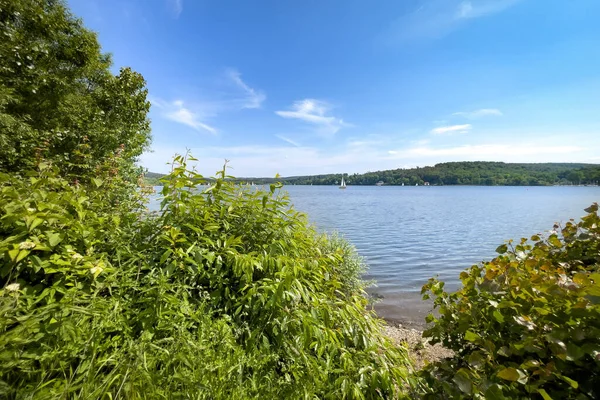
(527, 323)
(351, 265)
(153, 178)
(462, 173)
(226, 293)
(57, 92)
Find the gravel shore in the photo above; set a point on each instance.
(419, 349)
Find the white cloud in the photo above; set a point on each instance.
(436, 18)
(484, 112)
(178, 112)
(314, 112)
(254, 160)
(485, 151)
(288, 140)
(253, 98)
(220, 101)
(176, 7)
(451, 129)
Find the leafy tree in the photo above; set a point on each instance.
(57, 93)
(576, 177)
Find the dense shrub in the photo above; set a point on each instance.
(351, 265)
(527, 323)
(226, 293)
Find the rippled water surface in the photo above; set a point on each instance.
(408, 234)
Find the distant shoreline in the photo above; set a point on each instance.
(395, 185)
(470, 173)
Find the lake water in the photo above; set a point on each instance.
(409, 234)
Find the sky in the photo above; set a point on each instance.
(347, 86)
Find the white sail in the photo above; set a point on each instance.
(343, 184)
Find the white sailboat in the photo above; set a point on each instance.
(343, 184)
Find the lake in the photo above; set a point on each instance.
(409, 234)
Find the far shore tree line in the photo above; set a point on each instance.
(480, 173)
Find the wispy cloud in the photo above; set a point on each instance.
(451, 129)
(314, 112)
(176, 7)
(484, 112)
(288, 140)
(254, 98)
(436, 18)
(480, 8)
(214, 103)
(490, 151)
(255, 160)
(178, 112)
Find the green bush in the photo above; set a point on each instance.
(351, 266)
(526, 324)
(225, 293)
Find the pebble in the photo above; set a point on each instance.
(420, 351)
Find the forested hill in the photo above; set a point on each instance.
(454, 173)
(467, 173)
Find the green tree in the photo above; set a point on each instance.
(576, 177)
(57, 92)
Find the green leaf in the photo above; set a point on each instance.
(509, 374)
(54, 238)
(494, 392)
(34, 223)
(165, 255)
(554, 241)
(463, 381)
(591, 209)
(472, 336)
(544, 394)
(476, 360)
(22, 254)
(574, 384)
(502, 249)
(574, 352)
(98, 182)
(498, 316)
(13, 254)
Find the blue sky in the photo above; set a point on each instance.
(309, 87)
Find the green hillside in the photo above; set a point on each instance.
(465, 173)
(455, 173)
